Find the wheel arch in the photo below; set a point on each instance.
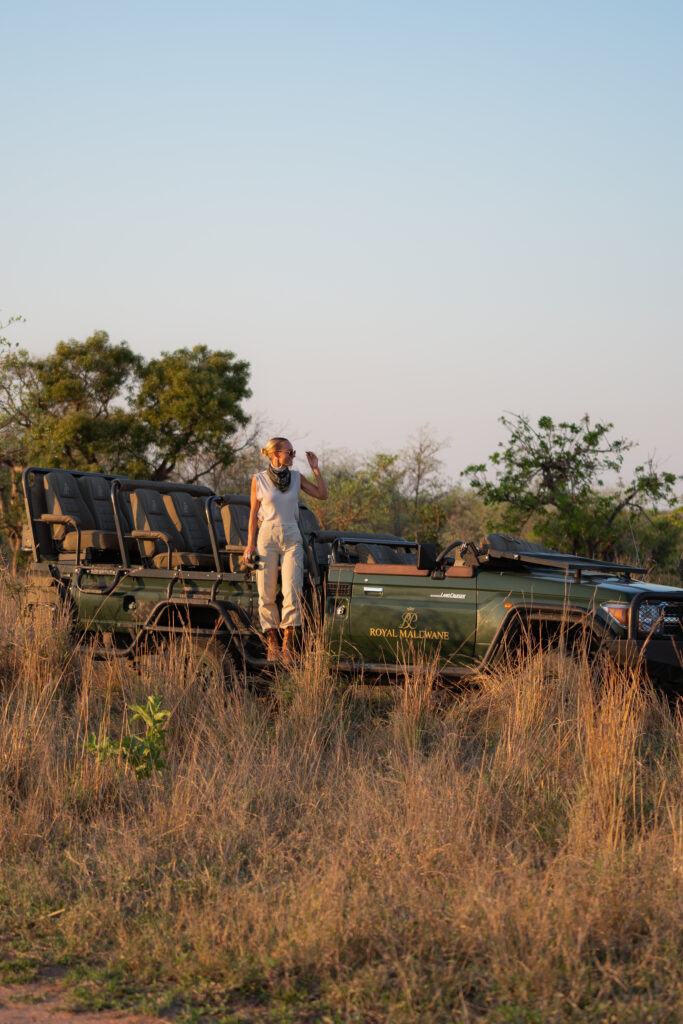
(195, 618)
(537, 623)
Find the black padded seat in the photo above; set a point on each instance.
(63, 498)
(370, 554)
(150, 514)
(308, 521)
(230, 561)
(404, 557)
(217, 520)
(382, 554)
(96, 491)
(235, 518)
(310, 527)
(92, 540)
(43, 533)
(189, 521)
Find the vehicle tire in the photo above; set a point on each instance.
(211, 664)
(526, 638)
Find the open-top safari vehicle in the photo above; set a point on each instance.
(137, 562)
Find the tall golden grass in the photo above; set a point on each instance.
(330, 852)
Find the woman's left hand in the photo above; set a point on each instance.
(319, 488)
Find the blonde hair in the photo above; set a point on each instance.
(273, 445)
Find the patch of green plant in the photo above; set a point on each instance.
(19, 971)
(114, 987)
(144, 754)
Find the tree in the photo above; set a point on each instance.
(424, 484)
(95, 405)
(190, 401)
(11, 503)
(81, 406)
(550, 480)
(364, 494)
(404, 493)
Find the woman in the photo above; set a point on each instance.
(275, 510)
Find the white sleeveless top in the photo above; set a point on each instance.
(281, 507)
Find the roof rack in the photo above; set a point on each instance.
(577, 563)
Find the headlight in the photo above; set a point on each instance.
(651, 617)
(618, 611)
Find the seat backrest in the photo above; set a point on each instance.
(96, 491)
(42, 531)
(310, 526)
(63, 498)
(369, 554)
(216, 519)
(308, 521)
(384, 554)
(150, 513)
(235, 516)
(234, 525)
(403, 557)
(188, 521)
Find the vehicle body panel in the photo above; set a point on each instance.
(400, 620)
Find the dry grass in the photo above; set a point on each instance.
(513, 854)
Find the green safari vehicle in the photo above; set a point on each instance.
(138, 562)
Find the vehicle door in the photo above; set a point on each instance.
(399, 614)
(338, 590)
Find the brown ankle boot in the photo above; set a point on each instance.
(273, 639)
(288, 649)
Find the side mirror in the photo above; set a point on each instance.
(426, 557)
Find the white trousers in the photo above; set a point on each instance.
(277, 546)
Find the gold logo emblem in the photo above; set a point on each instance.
(409, 619)
(406, 630)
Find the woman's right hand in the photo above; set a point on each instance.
(249, 552)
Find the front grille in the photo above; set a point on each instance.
(661, 619)
(338, 590)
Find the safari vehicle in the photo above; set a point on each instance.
(137, 562)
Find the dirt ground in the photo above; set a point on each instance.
(41, 1003)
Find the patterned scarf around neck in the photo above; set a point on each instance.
(280, 478)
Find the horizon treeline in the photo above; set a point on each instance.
(98, 406)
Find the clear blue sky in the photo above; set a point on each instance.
(399, 213)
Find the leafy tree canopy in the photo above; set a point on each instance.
(561, 481)
(97, 405)
(191, 402)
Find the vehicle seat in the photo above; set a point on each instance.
(96, 491)
(310, 527)
(216, 519)
(380, 554)
(367, 553)
(63, 497)
(151, 514)
(43, 533)
(235, 518)
(405, 557)
(188, 521)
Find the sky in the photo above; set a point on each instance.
(401, 214)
